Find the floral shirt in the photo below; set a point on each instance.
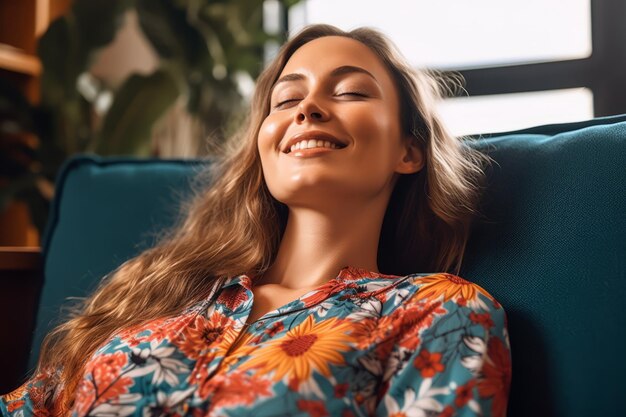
(361, 344)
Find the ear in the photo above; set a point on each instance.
(412, 156)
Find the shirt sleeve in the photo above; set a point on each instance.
(36, 397)
(451, 356)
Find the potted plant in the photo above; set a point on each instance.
(204, 48)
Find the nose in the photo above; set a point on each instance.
(309, 109)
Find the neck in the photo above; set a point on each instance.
(318, 243)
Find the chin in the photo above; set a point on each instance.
(305, 190)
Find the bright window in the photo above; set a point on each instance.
(464, 34)
(504, 112)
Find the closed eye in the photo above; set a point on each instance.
(281, 104)
(353, 93)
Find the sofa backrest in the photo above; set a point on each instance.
(551, 248)
(105, 211)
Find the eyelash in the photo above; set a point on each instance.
(347, 93)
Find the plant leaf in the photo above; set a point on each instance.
(139, 102)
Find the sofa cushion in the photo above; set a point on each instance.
(105, 211)
(551, 250)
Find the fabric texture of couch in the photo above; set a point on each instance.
(552, 251)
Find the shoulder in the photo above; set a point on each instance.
(447, 287)
(41, 395)
(444, 294)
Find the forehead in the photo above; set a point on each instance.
(320, 56)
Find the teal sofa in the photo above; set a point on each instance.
(552, 250)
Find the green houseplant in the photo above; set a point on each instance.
(203, 47)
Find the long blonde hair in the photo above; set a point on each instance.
(233, 225)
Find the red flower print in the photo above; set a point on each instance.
(232, 297)
(238, 389)
(415, 318)
(341, 389)
(15, 405)
(276, 328)
(464, 393)
(370, 331)
(314, 408)
(294, 384)
(447, 412)
(106, 368)
(497, 376)
(85, 397)
(428, 363)
(106, 381)
(323, 292)
(484, 319)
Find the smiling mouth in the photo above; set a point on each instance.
(316, 144)
(313, 139)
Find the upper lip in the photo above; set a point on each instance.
(311, 134)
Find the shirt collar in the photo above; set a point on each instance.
(347, 273)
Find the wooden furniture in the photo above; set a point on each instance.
(21, 278)
(21, 24)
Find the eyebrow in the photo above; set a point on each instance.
(337, 72)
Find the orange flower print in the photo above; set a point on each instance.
(85, 397)
(105, 371)
(202, 334)
(17, 393)
(428, 363)
(371, 331)
(496, 376)
(451, 287)
(308, 347)
(15, 405)
(237, 389)
(200, 372)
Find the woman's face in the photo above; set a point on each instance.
(334, 93)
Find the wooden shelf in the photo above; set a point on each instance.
(22, 23)
(12, 59)
(20, 258)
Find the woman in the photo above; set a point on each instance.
(247, 307)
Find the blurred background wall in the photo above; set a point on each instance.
(171, 79)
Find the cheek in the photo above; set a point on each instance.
(264, 138)
(375, 129)
(270, 133)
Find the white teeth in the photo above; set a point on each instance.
(312, 143)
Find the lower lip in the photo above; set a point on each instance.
(304, 153)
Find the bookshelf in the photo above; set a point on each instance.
(22, 22)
